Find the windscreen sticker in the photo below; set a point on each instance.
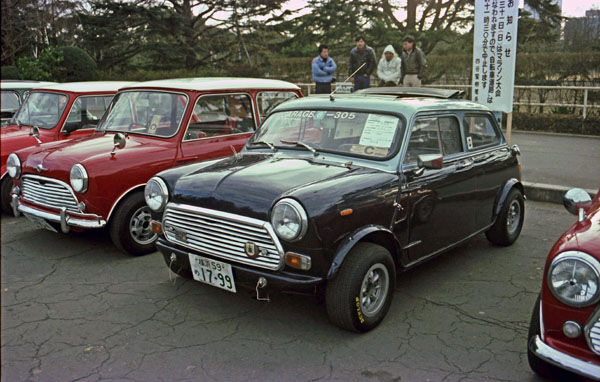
(379, 130)
(319, 115)
(469, 143)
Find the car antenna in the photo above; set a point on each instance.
(350, 76)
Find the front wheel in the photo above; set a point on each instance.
(5, 189)
(130, 226)
(360, 296)
(509, 222)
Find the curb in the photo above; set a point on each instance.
(550, 193)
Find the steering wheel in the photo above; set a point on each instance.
(135, 124)
(37, 122)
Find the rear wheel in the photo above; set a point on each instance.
(360, 296)
(5, 189)
(509, 223)
(130, 226)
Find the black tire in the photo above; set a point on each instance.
(130, 228)
(5, 189)
(509, 223)
(540, 366)
(344, 294)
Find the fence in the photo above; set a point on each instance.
(539, 97)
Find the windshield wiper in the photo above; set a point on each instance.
(302, 144)
(264, 143)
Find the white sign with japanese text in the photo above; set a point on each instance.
(495, 53)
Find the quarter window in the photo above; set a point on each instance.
(480, 132)
(222, 114)
(267, 101)
(440, 135)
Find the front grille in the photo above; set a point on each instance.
(48, 192)
(593, 332)
(222, 235)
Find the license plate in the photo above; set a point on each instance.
(212, 272)
(40, 223)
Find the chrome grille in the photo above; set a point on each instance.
(592, 332)
(48, 192)
(222, 235)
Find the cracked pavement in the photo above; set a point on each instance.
(73, 308)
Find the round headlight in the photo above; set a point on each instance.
(13, 166)
(574, 277)
(156, 194)
(79, 178)
(289, 220)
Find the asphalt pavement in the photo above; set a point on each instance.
(554, 163)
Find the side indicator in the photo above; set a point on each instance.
(157, 227)
(298, 261)
(346, 212)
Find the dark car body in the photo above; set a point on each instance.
(357, 197)
(565, 335)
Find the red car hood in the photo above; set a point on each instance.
(583, 236)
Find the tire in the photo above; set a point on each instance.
(509, 223)
(538, 365)
(130, 228)
(346, 300)
(5, 189)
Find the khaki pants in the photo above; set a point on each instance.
(411, 81)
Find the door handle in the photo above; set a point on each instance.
(466, 163)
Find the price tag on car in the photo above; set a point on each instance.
(212, 272)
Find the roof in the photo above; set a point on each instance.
(385, 103)
(216, 83)
(413, 92)
(87, 87)
(19, 84)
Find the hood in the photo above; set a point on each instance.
(250, 184)
(390, 49)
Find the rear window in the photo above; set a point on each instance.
(480, 131)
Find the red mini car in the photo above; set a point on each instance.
(99, 180)
(54, 112)
(564, 334)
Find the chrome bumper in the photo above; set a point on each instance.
(62, 218)
(562, 360)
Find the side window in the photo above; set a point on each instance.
(267, 101)
(450, 134)
(222, 114)
(440, 135)
(479, 131)
(86, 112)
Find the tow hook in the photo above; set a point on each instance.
(262, 283)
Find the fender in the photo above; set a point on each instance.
(126, 193)
(503, 193)
(351, 240)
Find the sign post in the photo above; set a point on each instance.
(494, 55)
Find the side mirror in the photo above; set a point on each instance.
(577, 202)
(70, 127)
(430, 161)
(35, 131)
(119, 141)
(514, 150)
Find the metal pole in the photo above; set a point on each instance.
(508, 126)
(585, 95)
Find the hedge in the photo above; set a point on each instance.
(557, 123)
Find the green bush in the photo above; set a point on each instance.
(10, 73)
(77, 65)
(46, 67)
(557, 123)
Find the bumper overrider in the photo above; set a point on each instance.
(245, 275)
(564, 361)
(61, 216)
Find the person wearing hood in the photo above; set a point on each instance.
(323, 69)
(389, 69)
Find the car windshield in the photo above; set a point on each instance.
(145, 112)
(371, 135)
(42, 109)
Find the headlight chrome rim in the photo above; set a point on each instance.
(13, 166)
(78, 178)
(302, 217)
(586, 260)
(164, 193)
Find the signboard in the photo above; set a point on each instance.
(495, 53)
(344, 87)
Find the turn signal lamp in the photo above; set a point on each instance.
(298, 261)
(156, 227)
(346, 212)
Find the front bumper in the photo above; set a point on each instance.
(63, 217)
(562, 360)
(244, 275)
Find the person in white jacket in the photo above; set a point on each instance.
(389, 69)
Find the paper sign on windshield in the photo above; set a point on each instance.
(379, 130)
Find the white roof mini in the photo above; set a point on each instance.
(216, 83)
(22, 84)
(87, 87)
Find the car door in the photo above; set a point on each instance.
(220, 125)
(441, 208)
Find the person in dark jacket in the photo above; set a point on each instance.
(323, 68)
(359, 55)
(413, 63)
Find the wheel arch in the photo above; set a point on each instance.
(130, 191)
(503, 194)
(371, 234)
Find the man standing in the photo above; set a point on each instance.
(323, 68)
(359, 55)
(389, 69)
(413, 63)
